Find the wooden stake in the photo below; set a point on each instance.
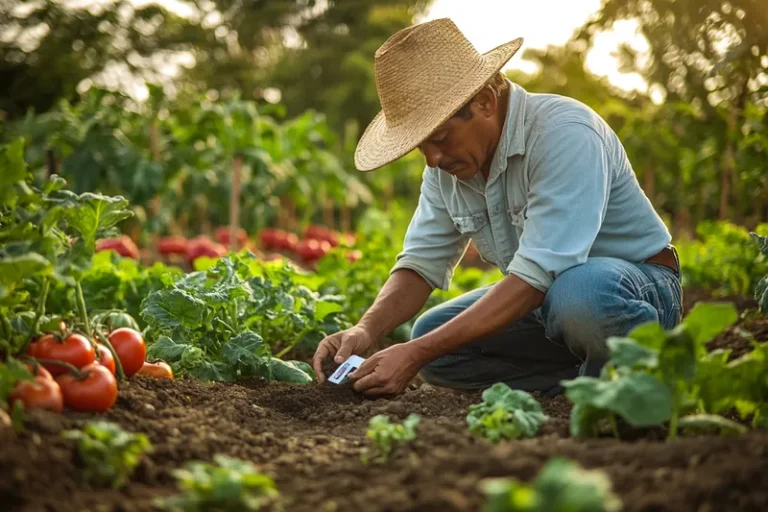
(346, 219)
(234, 203)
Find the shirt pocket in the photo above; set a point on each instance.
(517, 216)
(475, 226)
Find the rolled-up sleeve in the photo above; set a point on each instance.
(433, 246)
(570, 178)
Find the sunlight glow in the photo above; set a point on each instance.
(489, 23)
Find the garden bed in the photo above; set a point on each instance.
(309, 438)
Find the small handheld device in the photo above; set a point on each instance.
(347, 367)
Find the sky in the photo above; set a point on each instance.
(489, 23)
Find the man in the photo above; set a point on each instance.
(543, 187)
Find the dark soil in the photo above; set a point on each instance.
(309, 439)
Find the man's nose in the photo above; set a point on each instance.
(433, 155)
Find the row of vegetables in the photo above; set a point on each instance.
(316, 243)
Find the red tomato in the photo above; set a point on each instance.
(204, 246)
(105, 359)
(122, 245)
(325, 248)
(289, 242)
(172, 245)
(223, 236)
(333, 238)
(41, 371)
(158, 370)
(41, 393)
(130, 348)
(95, 391)
(353, 256)
(267, 238)
(75, 350)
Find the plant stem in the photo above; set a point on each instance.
(81, 308)
(614, 425)
(290, 346)
(38, 314)
(52, 362)
(673, 420)
(118, 365)
(41, 305)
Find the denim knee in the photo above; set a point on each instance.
(587, 304)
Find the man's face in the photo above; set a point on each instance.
(464, 145)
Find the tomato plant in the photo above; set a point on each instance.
(130, 348)
(93, 390)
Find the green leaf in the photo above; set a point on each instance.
(167, 350)
(289, 371)
(627, 352)
(91, 213)
(109, 453)
(171, 308)
(642, 400)
(710, 423)
(214, 371)
(708, 319)
(650, 335)
(14, 269)
(324, 308)
(505, 414)
(13, 168)
(560, 486)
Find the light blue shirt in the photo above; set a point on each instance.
(560, 190)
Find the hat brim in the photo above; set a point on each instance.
(382, 144)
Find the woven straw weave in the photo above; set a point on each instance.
(424, 75)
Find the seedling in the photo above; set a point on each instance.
(229, 485)
(561, 486)
(386, 436)
(109, 453)
(505, 414)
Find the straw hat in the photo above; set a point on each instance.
(424, 75)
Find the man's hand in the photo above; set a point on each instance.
(389, 371)
(353, 341)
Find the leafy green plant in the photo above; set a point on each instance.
(761, 289)
(229, 485)
(216, 324)
(561, 486)
(109, 453)
(723, 258)
(653, 376)
(386, 436)
(505, 414)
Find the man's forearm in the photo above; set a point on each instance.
(506, 302)
(400, 299)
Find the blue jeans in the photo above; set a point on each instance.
(566, 336)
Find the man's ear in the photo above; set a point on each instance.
(486, 102)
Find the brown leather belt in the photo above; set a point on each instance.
(667, 257)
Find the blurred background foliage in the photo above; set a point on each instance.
(157, 101)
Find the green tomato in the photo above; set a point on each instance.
(113, 320)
